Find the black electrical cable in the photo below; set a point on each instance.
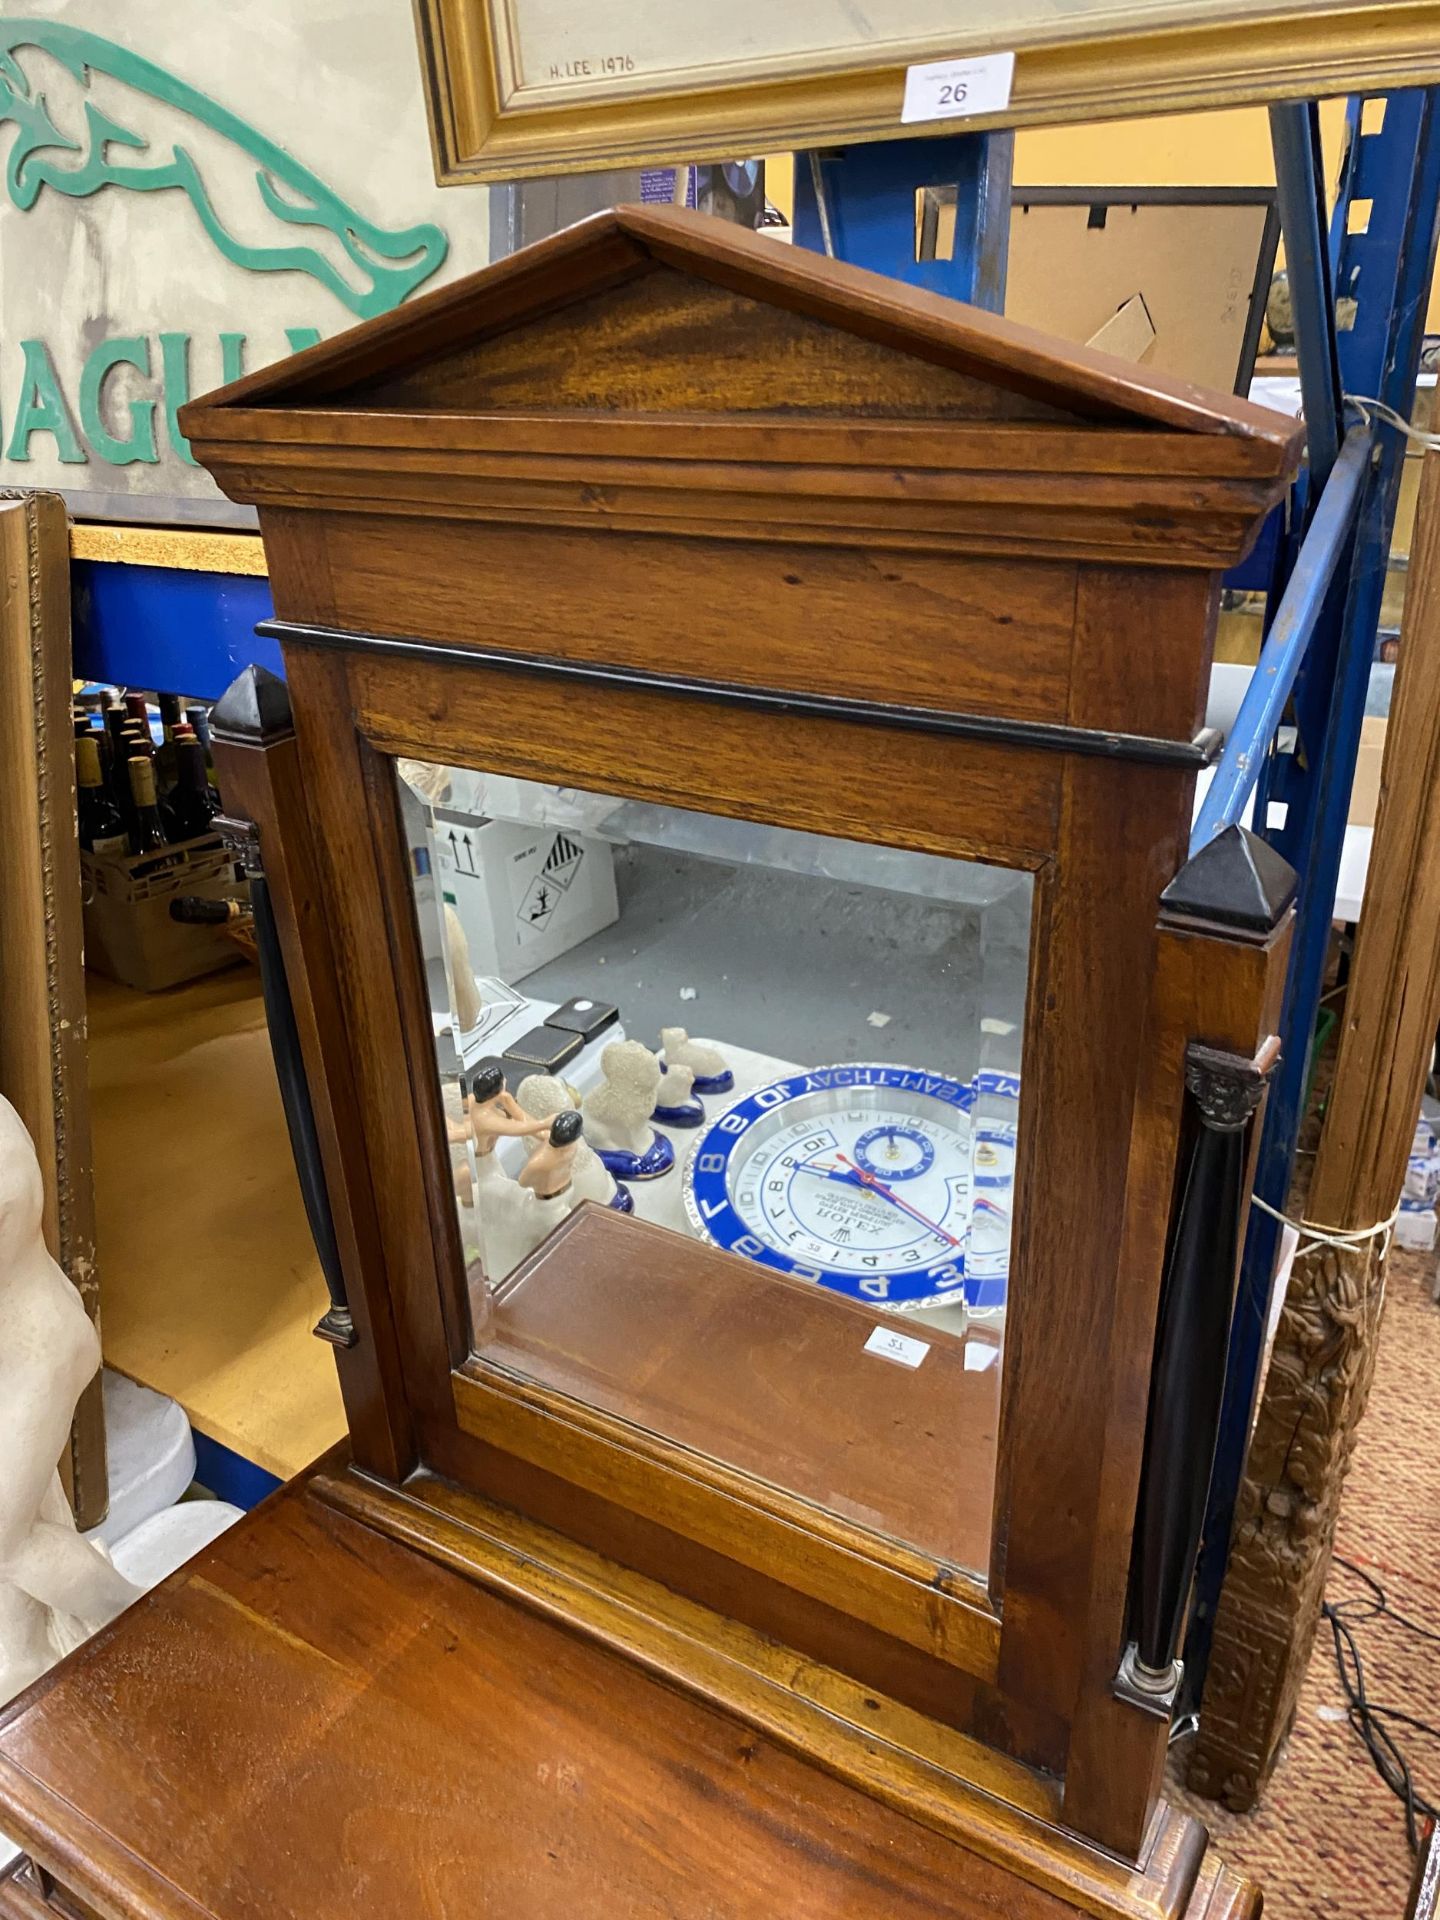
(1368, 1717)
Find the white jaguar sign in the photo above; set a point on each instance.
(191, 191)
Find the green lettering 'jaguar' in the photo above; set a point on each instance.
(387, 263)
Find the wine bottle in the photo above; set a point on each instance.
(102, 830)
(186, 734)
(191, 806)
(199, 718)
(138, 708)
(170, 711)
(115, 718)
(148, 833)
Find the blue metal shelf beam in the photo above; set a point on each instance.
(1326, 541)
(873, 217)
(1300, 189)
(166, 628)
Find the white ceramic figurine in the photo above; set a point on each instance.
(707, 1064)
(544, 1095)
(549, 1173)
(55, 1588)
(617, 1113)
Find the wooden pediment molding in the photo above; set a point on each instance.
(663, 371)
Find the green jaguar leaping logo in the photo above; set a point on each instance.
(381, 265)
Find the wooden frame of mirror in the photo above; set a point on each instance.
(654, 412)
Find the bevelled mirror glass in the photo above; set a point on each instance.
(802, 1051)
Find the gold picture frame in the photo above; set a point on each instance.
(43, 1067)
(612, 107)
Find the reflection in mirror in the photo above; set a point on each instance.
(802, 1051)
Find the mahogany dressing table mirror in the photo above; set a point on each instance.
(774, 1098)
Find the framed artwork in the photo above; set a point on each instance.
(519, 88)
(42, 978)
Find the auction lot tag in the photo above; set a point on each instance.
(958, 89)
(897, 1346)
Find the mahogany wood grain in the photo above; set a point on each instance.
(632, 338)
(414, 1735)
(896, 626)
(403, 1278)
(1225, 994)
(768, 1374)
(903, 454)
(23, 1897)
(783, 341)
(617, 246)
(749, 1577)
(969, 798)
(624, 1448)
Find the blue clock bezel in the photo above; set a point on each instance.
(716, 1218)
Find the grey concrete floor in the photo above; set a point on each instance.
(794, 965)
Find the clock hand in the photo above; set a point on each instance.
(829, 1173)
(888, 1193)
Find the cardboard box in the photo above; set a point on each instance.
(129, 935)
(524, 895)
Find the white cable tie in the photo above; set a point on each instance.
(1370, 409)
(1329, 1236)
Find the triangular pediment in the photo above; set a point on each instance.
(659, 311)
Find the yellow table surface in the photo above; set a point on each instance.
(209, 1284)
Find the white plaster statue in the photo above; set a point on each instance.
(617, 1113)
(468, 1004)
(55, 1588)
(544, 1095)
(708, 1066)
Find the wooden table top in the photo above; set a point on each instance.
(309, 1719)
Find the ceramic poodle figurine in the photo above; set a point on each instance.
(711, 1073)
(55, 1588)
(617, 1113)
(675, 1104)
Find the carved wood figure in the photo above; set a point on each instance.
(55, 1588)
(700, 1537)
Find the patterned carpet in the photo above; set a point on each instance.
(1328, 1838)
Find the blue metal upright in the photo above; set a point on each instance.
(1381, 270)
(862, 204)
